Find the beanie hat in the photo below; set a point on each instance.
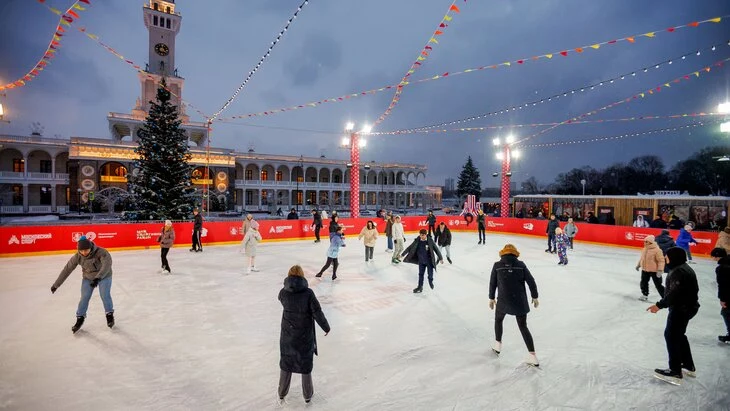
(84, 243)
(509, 249)
(688, 227)
(650, 239)
(677, 256)
(168, 222)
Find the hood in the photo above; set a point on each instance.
(664, 232)
(677, 256)
(509, 259)
(295, 284)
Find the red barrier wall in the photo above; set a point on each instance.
(22, 240)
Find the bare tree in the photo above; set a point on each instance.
(111, 196)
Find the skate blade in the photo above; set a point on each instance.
(670, 380)
(495, 352)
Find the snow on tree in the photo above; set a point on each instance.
(469, 181)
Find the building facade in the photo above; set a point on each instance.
(46, 175)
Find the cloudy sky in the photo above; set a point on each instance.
(338, 47)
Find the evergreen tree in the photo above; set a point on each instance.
(469, 181)
(161, 187)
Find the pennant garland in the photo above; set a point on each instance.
(261, 61)
(453, 9)
(651, 91)
(447, 75)
(582, 89)
(66, 19)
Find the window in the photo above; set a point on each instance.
(337, 179)
(46, 195)
(279, 176)
(167, 23)
(264, 175)
(300, 196)
(156, 6)
(17, 195)
(167, 9)
(264, 196)
(45, 166)
(154, 20)
(249, 197)
(249, 175)
(18, 165)
(300, 179)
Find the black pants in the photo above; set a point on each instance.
(680, 355)
(196, 240)
(521, 323)
(725, 313)
(421, 271)
(369, 253)
(644, 284)
(333, 262)
(551, 242)
(316, 231)
(431, 229)
(163, 256)
(285, 381)
(482, 234)
(570, 242)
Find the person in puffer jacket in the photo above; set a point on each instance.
(723, 240)
(651, 263)
(684, 240)
(166, 240)
(337, 240)
(570, 231)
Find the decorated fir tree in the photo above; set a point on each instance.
(469, 181)
(160, 182)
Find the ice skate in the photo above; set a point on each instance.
(334, 277)
(79, 323)
(110, 319)
(449, 260)
(254, 269)
(417, 290)
(724, 338)
(497, 348)
(430, 284)
(532, 360)
(668, 376)
(692, 373)
(644, 298)
(318, 275)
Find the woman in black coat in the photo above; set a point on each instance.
(508, 279)
(298, 341)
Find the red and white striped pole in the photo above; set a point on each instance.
(506, 174)
(355, 175)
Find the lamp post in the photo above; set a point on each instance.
(506, 154)
(78, 192)
(354, 144)
(2, 111)
(724, 108)
(583, 183)
(301, 170)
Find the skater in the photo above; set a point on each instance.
(552, 225)
(570, 231)
(96, 270)
(370, 234)
(685, 239)
(316, 224)
(651, 263)
(681, 299)
(723, 240)
(166, 240)
(298, 339)
(197, 228)
(561, 246)
(431, 221)
(482, 226)
(399, 239)
(508, 279)
(421, 252)
(250, 244)
(665, 242)
(722, 275)
(336, 241)
(389, 231)
(246, 225)
(334, 225)
(443, 239)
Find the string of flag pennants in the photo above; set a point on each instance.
(581, 89)
(347, 97)
(66, 18)
(510, 126)
(261, 61)
(651, 91)
(618, 137)
(427, 49)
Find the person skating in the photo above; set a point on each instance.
(571, 230)
(316, 224)
(166, 240)
(561, 246)
(96, 270)
(681, 298)
(482, 226)
(336, 241)
(334, 224)
(665, 242)
(431, 221)
(246, 224)
(550, 231)
(370, 234)
(723, 239)
(399, 240)
(685, 239)
(443, 239)
(250, 244)
(298, 338)
(722, 275)
(651, 263)
(389, 231)
(507, 294)
(197, 228)
(423, 251)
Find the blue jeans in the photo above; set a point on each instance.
(686, 250)
(390, 243)
(421, 271)
(105, 289)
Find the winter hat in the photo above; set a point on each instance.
(84, 243)
(168, 222)
(677, 256)
(254, 224)
(688, 227)
(509, 249)
(665, 232)
(650, 239)
(727, 229)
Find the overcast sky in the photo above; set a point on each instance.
(344, 46)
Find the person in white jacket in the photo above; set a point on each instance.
(399, 239)
(640, 222)
(250, 244)
(370, 234)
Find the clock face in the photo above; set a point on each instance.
(162, 49)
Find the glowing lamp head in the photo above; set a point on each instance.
(366, 128)
(516, 153)
(495, 141)
(724, 108)
(345, 141)
(725, 127)
(2, 113)
(349, 126)
(510, 139)
(500, 156)
(362, 143)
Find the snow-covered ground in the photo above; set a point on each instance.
(207, 336)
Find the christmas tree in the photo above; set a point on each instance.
(469, 181)
(160, 182)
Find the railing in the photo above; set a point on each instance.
(40, 176)
(39, 209)
(11, 174)
(32, 139)
(34, 176)
(243, 184)
(113, 179)
(62, 209)
(11, 209)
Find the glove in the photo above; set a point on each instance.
(637, 268)
(53, 289)
(535, 303)
(94, 283)
(492, 303)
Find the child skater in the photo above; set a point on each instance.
(371, 237)
(561, 244)
(336, 241)
(250, 244)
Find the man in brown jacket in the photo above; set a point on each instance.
(96, 270)
(651, 263)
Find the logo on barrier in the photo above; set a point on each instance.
(629, 236)
(305, 228)
(703, 241)
(143, 235)
(233, 231)
(204, 232)
(635, 236)
(29, 238)
(492, 224)
(279, 229)
(90, 236)
(13, 240)
(457, 222)
(422, 223)
(528, 226)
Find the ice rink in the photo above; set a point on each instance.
(207, 336)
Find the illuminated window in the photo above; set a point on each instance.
(18, 165)
(264, 175)
(279, 176)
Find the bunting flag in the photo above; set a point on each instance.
(651, 91)
(66, 19)
(261, 61)
(453, 9)
(586, 88)
(596, 46)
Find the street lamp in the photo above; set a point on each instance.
(2, 111)
(505, 155)
(301, 170)
(79, 191)
(354, 144)
(583, 183)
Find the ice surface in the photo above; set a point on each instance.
(207, 336)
